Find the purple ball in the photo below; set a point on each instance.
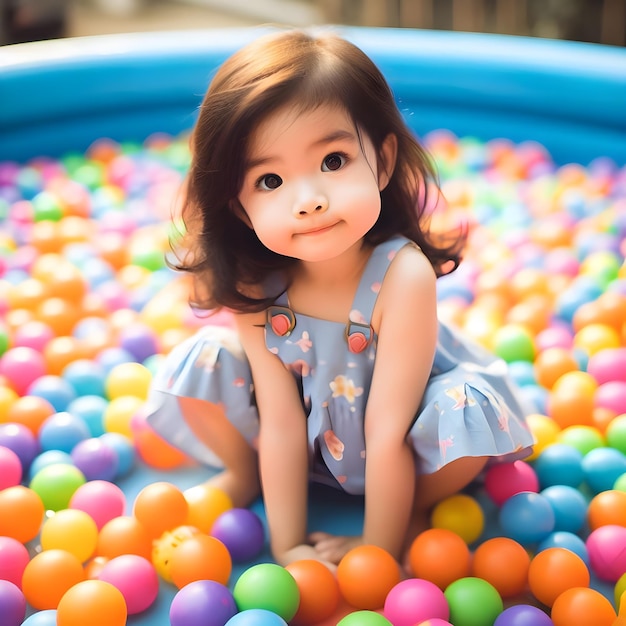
(202, 603)
(21, 440)
(12, 604)
(523, 615)
(139, 340)
(241, 531)
(95, 459)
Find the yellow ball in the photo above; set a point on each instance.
(71, 530)
(164, 546)
(119, 413)
(462, 515)
(128, 379)
(545, 431)
(206, 504)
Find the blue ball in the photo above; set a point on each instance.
(559, 464)
(256, 617)
(602, 467)
(42, 618)
(124, 449)
(91, 409)
(86, 377)
(527, 518)
(523, 373)
(57, 391)
(62, 431)
(50, 457)
(569, 506)
(567, 540)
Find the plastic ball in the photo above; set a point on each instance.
(12, 604)
(581, 606)
(128, 379)
(514, 342)
(612, 396)
(124, 449)
(602, 467)
(435, 622)
(206, 504)
(21, 513)
(202, 603)
(135, 577)
(200, 557)
(30, 411)
(527, 518)
(503, 563)
(10, 468)
(142, 343)
(86, 377)
(555, 570)
(93, 602)
(319, 591)
(42, 618)
(461, 514)
(118, 418)
(267, 586)
(569, 506)
(164, 546)
(95, 459)
(62, 431)
(57, 391)
(559, 464)
(608, 365)
(365, 575)
(151, 448)
(440, 556)
(71, 530)
(606, 546)
(48, 576)
(567, 540)
(124, 535)
(13, 560)
(21, 441)
(241, 531)
(56, 484)
(571, 400)
(413, 600)
(582, 437)
(605, 508)
(50, 457)
(473, 602)
(506, 479)
(22, 366)
(102, 500)
(160, 506)
(523, 615)
(596, 337)
(91, 409)
(256, 617)
(545, 431)
(552, 363)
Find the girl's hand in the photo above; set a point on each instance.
(333, 547)
(301, 553)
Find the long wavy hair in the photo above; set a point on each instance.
(297, 69)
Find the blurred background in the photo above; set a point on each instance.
(597, 21)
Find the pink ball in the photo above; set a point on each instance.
(33, 334)
(556, 336)
(413, 601)
(435, 622)
(135, 577)
(10, 468)
(100, 499)
(14, 558)
(612, 396)
(608, 365)
(22, 366)
(507, 479)
(606, 546)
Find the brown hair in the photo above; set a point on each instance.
(305, 71)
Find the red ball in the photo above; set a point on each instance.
(505, 480)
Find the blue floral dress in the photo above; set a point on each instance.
(469, 407)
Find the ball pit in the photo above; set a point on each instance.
(85, 319)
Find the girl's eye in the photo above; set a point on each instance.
(269, 182)
(333, 162)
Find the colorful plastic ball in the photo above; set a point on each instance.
(569, 506)
(128, 379)
(241, 531)
(608, 365)
(94, 602)
(559, 464)
(21, 513)
(164, 546)
(527, 518)
(119, 415)
(19, 439)
(50, 457)
(413, 600)
(57, 391)
(124, 449)
(13, 560)
(607, 551)
(141, 341)
(473, 602)
(594, 338)
(571, 399)
(366, 574)
(124, 535)
(202, 603)
(95, 459)
(256, 617)
(160, 506)
(364, 618)
(605, 508)
(56, 484)
(12, 604)
(10, 468)
(22, 366)
(567, 540)
(151, 448)
(31, 411)
(583, 437)
(47, 577)
(506, 479)
(503, 563)
(200, 557)
(612, 396)
(206, 504)
(91, 409)
(602, 467)
(319, 591)
(435, 622)
(42, 618)
(545, 431)
(71, 530)
(267, 586)
(552, 363)
(62, 431)
(440, 556)
(135, 577)
(86, 377)
(555, 570)
(514, 342)
(461, 514)
(523, 615)
(581, 606)
(101, 499)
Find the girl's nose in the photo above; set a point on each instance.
(310, 203)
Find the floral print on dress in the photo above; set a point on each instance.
(342, 386)
(334, 444)
(460, 398)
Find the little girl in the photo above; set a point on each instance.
(304, 213)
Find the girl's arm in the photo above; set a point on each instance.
(283, 449)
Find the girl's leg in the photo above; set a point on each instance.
(240, 478)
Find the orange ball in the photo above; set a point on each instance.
(596, 337)
(503, 563)
(124, 535)
(31, 411)
(555, 570)
(93, 602)
(200, 557)
(67, 283)
(319, 591)
(159, 507)
(153, 449)
(28, 294)
(571, 401)
(60, 352)
(206, 503)
(440, 556)
(366, 574)
(8, 398)
(48, 576)
(21, 513)
(581, 606)
(551, 364)
(45, 236)
(60, 314)
(607, 507)
(609, 309)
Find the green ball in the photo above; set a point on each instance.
(56, 484)
(151, 260)
(513, 342)
(364, 618)
(616, 433)
(473, 602)
(620, 483)
(268, 586)
(46, 207)
(583, 438)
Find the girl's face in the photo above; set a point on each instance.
(312, 183)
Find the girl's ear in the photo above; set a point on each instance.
(387, 160)
(239, 211)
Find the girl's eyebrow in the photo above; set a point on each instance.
(336, 135)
